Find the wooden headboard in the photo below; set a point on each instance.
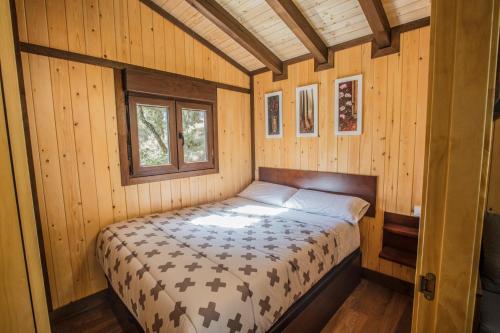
(364, 187)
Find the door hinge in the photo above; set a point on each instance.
(428, 285)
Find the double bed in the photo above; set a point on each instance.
(237, 265)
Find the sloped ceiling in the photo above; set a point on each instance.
(336, 21)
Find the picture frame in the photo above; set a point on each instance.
(306, 105)
(273, 106)
(348, 109)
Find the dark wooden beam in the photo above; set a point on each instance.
(252, 125)
(331, 49)
(295, 20)
(227, 23)
(78, 57)
(377, 19)
(395, 31)
(162, 12)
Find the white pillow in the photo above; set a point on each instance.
(268, 193)
(350, 209)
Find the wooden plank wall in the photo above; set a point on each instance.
(122, 30)
(72, 116)
(72, 119)
(392, 143)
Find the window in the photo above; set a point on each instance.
(195, 140)
(169, 136)
(152, 136)
(165, 136)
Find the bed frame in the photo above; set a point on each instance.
(313, 310)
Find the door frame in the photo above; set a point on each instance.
(464, 42)
(18, 149)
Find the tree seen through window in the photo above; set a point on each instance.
(195, 135)
(153, 135)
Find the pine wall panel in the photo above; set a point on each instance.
(72, 121)
(72, 116)
(392, 142)
(121, 30)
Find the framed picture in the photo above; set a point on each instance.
(274, 114)
(306, 100)
(349, 105)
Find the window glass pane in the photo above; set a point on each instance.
(195, 135)
(153, 130)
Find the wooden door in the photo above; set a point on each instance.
(464, 38)
(23, 306)
(15, 306)
(494, 179)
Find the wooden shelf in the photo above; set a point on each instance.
(401, 257)
(410, 221)
(400, 239)
(402, 230)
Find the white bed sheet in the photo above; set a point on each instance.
(348, 234)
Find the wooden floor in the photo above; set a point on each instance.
(371, 308)
(99, 318)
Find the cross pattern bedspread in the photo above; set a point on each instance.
(230, 266)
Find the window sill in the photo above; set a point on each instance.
(127, 180)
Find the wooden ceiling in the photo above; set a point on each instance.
(259, 34)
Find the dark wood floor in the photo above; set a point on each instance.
(97, 318)
(370, 308)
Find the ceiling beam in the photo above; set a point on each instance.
(377, 19)
(227, 23)
(295, 20)
(395, 32)
(163, 13)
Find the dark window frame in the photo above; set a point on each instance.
(187, 166)
(137, 170)
(150, 89)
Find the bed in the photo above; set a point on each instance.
(237, 265)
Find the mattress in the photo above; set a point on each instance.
(230, 266)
